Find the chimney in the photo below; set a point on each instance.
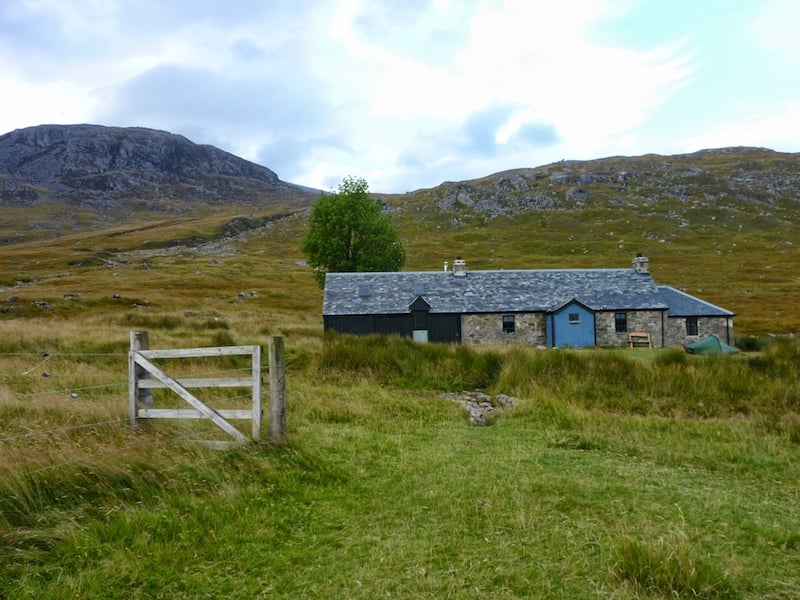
(641, 264)
(459, 267)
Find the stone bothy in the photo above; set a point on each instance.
(541, 307)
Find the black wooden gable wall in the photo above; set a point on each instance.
(440, 327)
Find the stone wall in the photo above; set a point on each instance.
(529, 328)
(722, 327)
(645, 321)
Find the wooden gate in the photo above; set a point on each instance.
(144, 376)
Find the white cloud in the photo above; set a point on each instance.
(406, 94)
(769, 126)
(538, 59)
(58, 102)
(776, 29)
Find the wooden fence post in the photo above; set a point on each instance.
(139, 341)
(256, 375)
(277, 391)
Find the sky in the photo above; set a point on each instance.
(408, 94)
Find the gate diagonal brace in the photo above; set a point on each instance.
(189, 397)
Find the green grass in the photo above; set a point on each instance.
(669, 566)
(617, 474)
(402, 363)
(385, 489)
(432, 507)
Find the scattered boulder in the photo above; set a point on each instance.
(481, 407)
(577, 195)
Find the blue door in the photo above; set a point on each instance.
(571, 326)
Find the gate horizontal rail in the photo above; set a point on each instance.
(144, 376)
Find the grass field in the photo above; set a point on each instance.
(616, 474)
(386, 489)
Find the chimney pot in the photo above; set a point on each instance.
(641, 264)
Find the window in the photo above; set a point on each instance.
(420, 318)
(621, 322)
(509, 326)
(574, 317)
(691, 325)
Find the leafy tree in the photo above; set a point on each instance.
(348, 231)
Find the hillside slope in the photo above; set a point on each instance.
(725, 175)
(720, 224)
(114, 168)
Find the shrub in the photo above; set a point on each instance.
(752, 343)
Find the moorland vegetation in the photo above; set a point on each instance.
(617, 473)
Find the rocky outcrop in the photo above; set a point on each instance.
(739, 173)
(108, 168)
(481, 408)
(508, 194)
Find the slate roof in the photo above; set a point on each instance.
(510, 291)
(682, 304)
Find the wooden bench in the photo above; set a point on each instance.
(637, 339)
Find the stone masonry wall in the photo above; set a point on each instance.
(645, 321)
(530, 328)
(718, 326)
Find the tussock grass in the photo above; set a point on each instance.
(617, 474)
(385, 489)
(400, 362)
(669, 567)
(672, 383)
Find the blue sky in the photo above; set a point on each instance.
(410, 94)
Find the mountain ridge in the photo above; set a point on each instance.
(104, 168)
(719, 175)
(721, 224)
(113, 174)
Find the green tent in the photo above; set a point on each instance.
(710, 345)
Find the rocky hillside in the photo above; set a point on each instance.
(129, 169)
(58, 178)
(721, 176)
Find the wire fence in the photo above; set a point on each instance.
(39, 360)
(48, 356)
(66, 429)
